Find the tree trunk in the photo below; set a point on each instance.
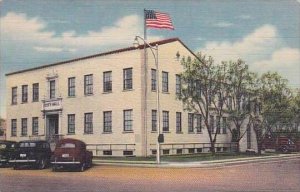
(212, 148)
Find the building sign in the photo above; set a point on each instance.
(50, 105)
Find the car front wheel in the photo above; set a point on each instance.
(42, 164)
(82, 167)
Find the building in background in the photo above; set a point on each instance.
(108, 100)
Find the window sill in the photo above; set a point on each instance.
(14, 104)
(70, 133)
(199, 132)
(179, 132)
(166, 132)
(127, 132)
(107, 132)
(191, 132)
(72, 96)
(153, 131)
(106, 92)
(87, 133)
(125, 90)
(35, 101)
(24, 102)
(24, 136)
(165, 92)
(86, 95)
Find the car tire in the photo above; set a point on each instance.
(42, 164)
(284, 149)
(82, 167)
(16, 167)
(54, 168)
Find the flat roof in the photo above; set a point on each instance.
(161, 42)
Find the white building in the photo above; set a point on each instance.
(102, 99)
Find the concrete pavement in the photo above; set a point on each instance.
(199, 164)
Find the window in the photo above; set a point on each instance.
(127, 120)
(24, 126)
(52, 89)
(166, 151)
(199, 150)
(88, 84)
(218, 124)
(190, 122)
(165, 83)
(178, 122)
(224, 125)
(107, 81)
(107, 152)
(198, 88)
(24, 93)
(178, 151)
(107, 121)
(35, 125)
(71, 87)
(154, 120)
(127, 78)
(153, 151)
(35, 92)
(14, 127)
(127, 153)
(153, 79)
(71, 124)
(212, 122)
(178, 84)
(88, 123)
(191, 150)
(198, 123)
(165, 121)
(14, 96)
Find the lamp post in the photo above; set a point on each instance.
(155, 55)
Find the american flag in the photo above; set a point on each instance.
(155, 19)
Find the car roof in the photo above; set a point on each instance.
(5, 141)
(70, 140)
(33, 141)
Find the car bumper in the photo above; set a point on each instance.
(65, 162)
(23, 161)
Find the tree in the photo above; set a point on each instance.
(1, 124)
(240, 96)
(203, 91)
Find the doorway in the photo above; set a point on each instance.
(52, 125)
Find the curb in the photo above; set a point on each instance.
(197, 164)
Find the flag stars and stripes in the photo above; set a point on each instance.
(158, 20)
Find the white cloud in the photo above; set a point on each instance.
(223, 24)
(18, 28)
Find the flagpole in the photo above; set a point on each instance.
(145, 82)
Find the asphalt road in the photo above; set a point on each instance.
(268, 176)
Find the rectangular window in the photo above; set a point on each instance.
(35, 92)
(107, 121)
(35, 125)
(178, 151)
(88, 84)
(128, 120)
(71, 124)
(107, 81)
(198, 88)
(218, 124)
(165, 82)
(190, 122)
(153, 79)
(154, 120)
(224, 125)
(178, 84)
(178, 122)
(107, 152)
(14, 127)
(127, 79)
(127, 153)
(191, 150)
(52, 89)
(24, 126)
(14, 96)
(198, 123)
(212, 124)
(165, 121)
(24, 93)
(88, 123)
(166, 151)
(71, 87)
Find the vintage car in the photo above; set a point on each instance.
(35, 153)
(71, 153)
(7, 149)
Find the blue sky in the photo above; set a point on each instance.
(265, 33)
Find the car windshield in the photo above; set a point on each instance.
(27, 144)
(2, 146)
(67, 145)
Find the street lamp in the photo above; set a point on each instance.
(155, 55)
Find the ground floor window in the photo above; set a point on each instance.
(178, 151)
(127, 153)
(35, 125)
(166, 151)
(14, 127)
(107, 121)
(71, 124)
(165, 121)
(88, 123)
(127, 116)
(24, 126)
(107, 152)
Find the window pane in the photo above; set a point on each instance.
(71, 86)
(88, 84)
(166, 121)
(107, 81)
(14, 97)
(35, 92)
(165, 84)
(52, 89)
(107, 121)
(88, 123)
(153, 79)
(24, 93)
(198, 123)
(190, 122)
(71, 123)
(178, 122)
(35, 126)
(13, 127)
(154, 120)
(128, 120)
(24, 126)
(127, 78)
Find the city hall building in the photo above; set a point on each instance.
(108, 100)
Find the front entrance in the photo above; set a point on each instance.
(52, 125)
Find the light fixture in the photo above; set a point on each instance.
(136, 42)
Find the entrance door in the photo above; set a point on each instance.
(52, 128)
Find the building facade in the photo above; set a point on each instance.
(108, 101)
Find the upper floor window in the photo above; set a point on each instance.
(24, 126)
(165, 82)
(88, 84)
(52, 89)
(178, 84)
(127, 120)
(107, 121)
(218, 119)
(14, 127)
(35, 125)
(178, 122)
(35, 92)
(127, 79)
(71, 123)
(154, 120)
(165, 121)
(224, 125)
(88, 123)
(107, 81)
(153, 79)
(198, 123)
(71, 87)
(14, 96)
(24, 93)
(190, 122)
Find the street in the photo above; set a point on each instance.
(283, 175)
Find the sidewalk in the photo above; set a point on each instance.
(199, 164)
